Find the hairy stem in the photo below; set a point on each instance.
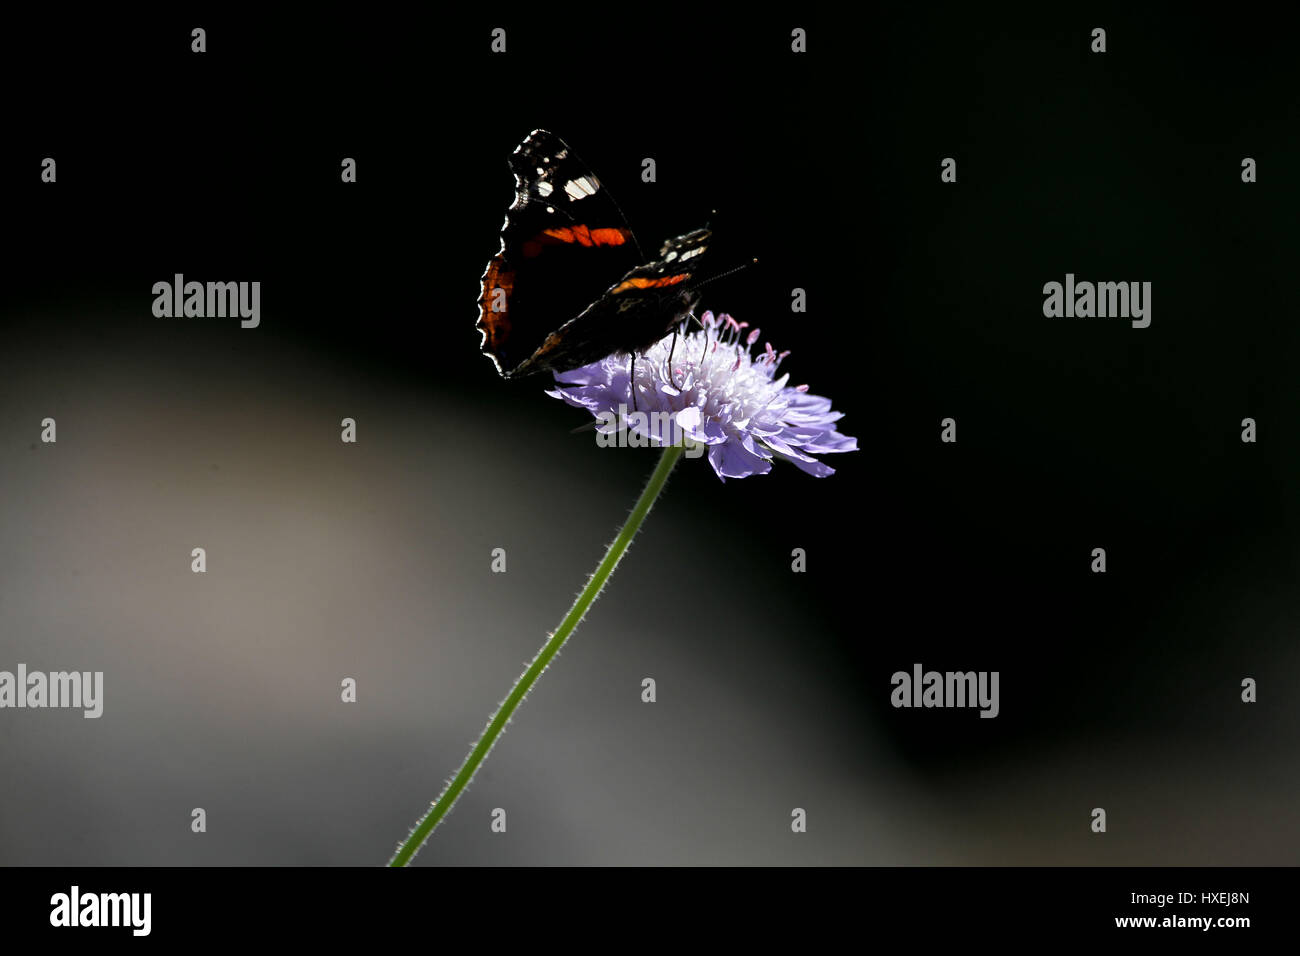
(442, 806)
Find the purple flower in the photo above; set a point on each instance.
(719, 394)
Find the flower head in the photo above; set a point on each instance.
(719, 394)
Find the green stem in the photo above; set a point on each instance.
(442, 806)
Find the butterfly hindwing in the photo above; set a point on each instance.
(634, 313)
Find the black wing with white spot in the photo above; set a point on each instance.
(564, 242)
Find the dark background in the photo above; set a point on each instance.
(328, 560)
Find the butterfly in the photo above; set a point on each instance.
(570, 285)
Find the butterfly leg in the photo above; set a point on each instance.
(671, 349)
(631, 379)
(696, 319)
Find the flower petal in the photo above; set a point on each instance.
(729, 460)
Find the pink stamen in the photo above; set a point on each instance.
(801, 388)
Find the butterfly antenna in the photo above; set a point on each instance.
(723, 275)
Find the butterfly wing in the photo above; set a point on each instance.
(564, 240)
(634, 313)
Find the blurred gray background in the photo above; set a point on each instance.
(372, 561)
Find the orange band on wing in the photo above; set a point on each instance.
(494, 323)
(584, 236)
(650, 283)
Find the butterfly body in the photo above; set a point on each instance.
(569, 285)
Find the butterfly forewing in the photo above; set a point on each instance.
(563, 243)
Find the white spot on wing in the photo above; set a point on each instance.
(580, 188)
(544, 188)
(693, 252)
